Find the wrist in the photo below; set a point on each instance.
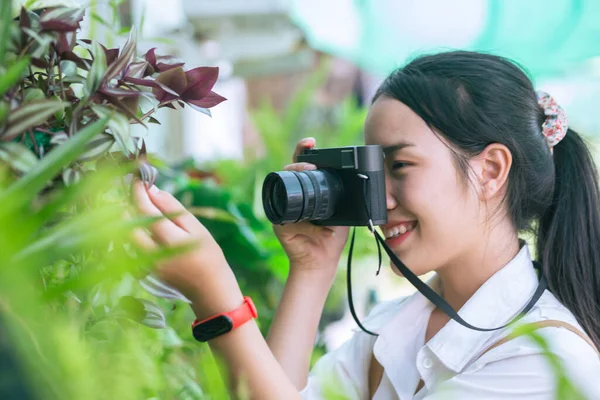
(314, 280)
(313, 272)
(216, 293)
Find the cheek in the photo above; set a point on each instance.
(439, 202)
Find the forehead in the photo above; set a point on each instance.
(390, 122)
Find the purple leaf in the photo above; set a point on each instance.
(111, 55)
(200, 81)
(208, 101)
(82, 63)
(120, 92)
(150, 56)
(136, 69)
(153, 84)
(123, 60)
(24, 20)
(66, 42)
(165, 63)
(61, 19)
(175, 79)
(162, 63)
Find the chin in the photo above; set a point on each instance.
(416, 271)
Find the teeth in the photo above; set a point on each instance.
(398, 230)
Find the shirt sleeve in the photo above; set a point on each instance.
(517, 375)
(333, 377)
(343, 372)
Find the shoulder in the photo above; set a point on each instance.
(553, 350)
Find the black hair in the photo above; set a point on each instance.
(475, 99)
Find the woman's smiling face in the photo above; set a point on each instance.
(433, 211)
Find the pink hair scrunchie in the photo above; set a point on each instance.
(556, 124)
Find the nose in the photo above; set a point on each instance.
(390, 200)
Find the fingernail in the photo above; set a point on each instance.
(153, 189)
(309, 167)
(332, 233)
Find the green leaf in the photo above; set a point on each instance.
(32, 94)
(17, 156)
(216, 214)
(3, 112)
(30, 115)
(12, 75)
(42, 41)
(68, 68)
(27, 187)
(98, 69)
(71, 176)
(119, 127)
(143, 311)
(5, 23)
(97, 147)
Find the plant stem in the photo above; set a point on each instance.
(153, 110)
(35, 145)
(26, 48)
(60, 81)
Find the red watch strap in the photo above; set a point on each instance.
(239, 316)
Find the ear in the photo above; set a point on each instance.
(492, 166)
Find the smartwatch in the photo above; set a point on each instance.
(223, 323)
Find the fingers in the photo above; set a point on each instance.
(164, 230)
(143, 239)
(306, 143)
(176, 212)
(301, 166)
(306, 229)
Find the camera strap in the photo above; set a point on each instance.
(421, 286)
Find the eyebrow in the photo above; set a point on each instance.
(393, 148)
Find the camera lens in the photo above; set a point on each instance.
(279, 197)
(290, 196)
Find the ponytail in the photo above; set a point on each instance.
(568, 241)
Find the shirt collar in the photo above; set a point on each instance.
(494, 304)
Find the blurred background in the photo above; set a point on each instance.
(289, 69)
(296, 68)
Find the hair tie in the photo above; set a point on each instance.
(556, 124)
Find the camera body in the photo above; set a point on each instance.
(348, 185)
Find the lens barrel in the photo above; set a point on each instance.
(290, 196)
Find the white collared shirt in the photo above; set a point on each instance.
(451, 364)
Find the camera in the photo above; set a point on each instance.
(347, 187)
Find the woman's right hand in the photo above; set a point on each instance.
(310, 247)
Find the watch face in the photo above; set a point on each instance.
(213, 328)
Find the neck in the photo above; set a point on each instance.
(461, 278)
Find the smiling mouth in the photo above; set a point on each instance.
(399, 230)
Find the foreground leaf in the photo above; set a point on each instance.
(29, 185)
(28, 116)
(119, 127)
(16, 155)
(12, 75)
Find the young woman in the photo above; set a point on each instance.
(474, 156)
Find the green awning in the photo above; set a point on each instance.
(548, 37)
(556, 41)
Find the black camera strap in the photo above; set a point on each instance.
(421, 286)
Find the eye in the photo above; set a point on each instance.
(396, 165)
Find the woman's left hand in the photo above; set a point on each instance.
(202, 274)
